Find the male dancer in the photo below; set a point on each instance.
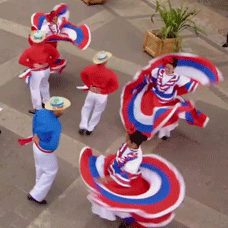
(46, 136)
(38, 58)
(100, 81)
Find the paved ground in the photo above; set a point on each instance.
(118, 26)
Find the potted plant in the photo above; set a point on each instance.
(168, 39)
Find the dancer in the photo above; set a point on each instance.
(100, 82)
(152, 102)
(142, 190)
(57, 28)
(46, 136)
(38, 58)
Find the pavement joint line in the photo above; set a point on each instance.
(59, 198)
(98, 20)
(193, 35)
(197, 215)
(223, 95)
(137, 16)
(112, 11)
(214, 44)
(11, 72)
(2, 1)
(21, 189)
(222, 64)
(150, 4)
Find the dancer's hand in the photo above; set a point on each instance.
(95, 90)
(104, 180)
(36, 139)
(39, 66)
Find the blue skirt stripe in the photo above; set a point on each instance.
(158, 197)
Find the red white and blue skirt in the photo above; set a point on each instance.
(142, 110)
(80, 36)
(149, 202)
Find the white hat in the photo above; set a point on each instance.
(57, 103)
(101, 57)
(37, 36)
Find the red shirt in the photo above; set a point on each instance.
(40, 53)
(100, 77)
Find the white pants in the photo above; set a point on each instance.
(46, 169)
(165, 131)
(97, 103)
(39, 88)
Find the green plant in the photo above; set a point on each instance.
(175, 20)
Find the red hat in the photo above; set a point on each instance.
(51, 15)
(170, 60)
(167, 60)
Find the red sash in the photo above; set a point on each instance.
(25, 141)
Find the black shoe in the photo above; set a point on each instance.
(43, 105)
(0, 131)
(33, 111)
(124, 224)
(225, 45)
(88, 132)
(82, 131)
(29, 197)
(164, 137)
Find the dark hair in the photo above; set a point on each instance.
(137, 138)
(174, 63)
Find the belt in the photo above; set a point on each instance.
(42, 150)
(45, 68)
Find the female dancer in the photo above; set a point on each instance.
(142, 190)
(152, 102)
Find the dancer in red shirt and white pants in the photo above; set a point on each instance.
(38, 58)
(100, 81)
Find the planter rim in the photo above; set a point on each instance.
(152, 32)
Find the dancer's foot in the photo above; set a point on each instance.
(82, 131)
(164, 138)
(225, 45)
(29, 197)
(88, 132)
(123, 224)
(32, 111)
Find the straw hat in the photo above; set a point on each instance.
(37, 36)
(57, 103)
(101, 57)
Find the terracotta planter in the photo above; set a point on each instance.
(92, 2)
(153, 45)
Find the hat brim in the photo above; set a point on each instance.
(66, 104)
(32, 37)
(97, 61)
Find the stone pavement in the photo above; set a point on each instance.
(119, 27)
